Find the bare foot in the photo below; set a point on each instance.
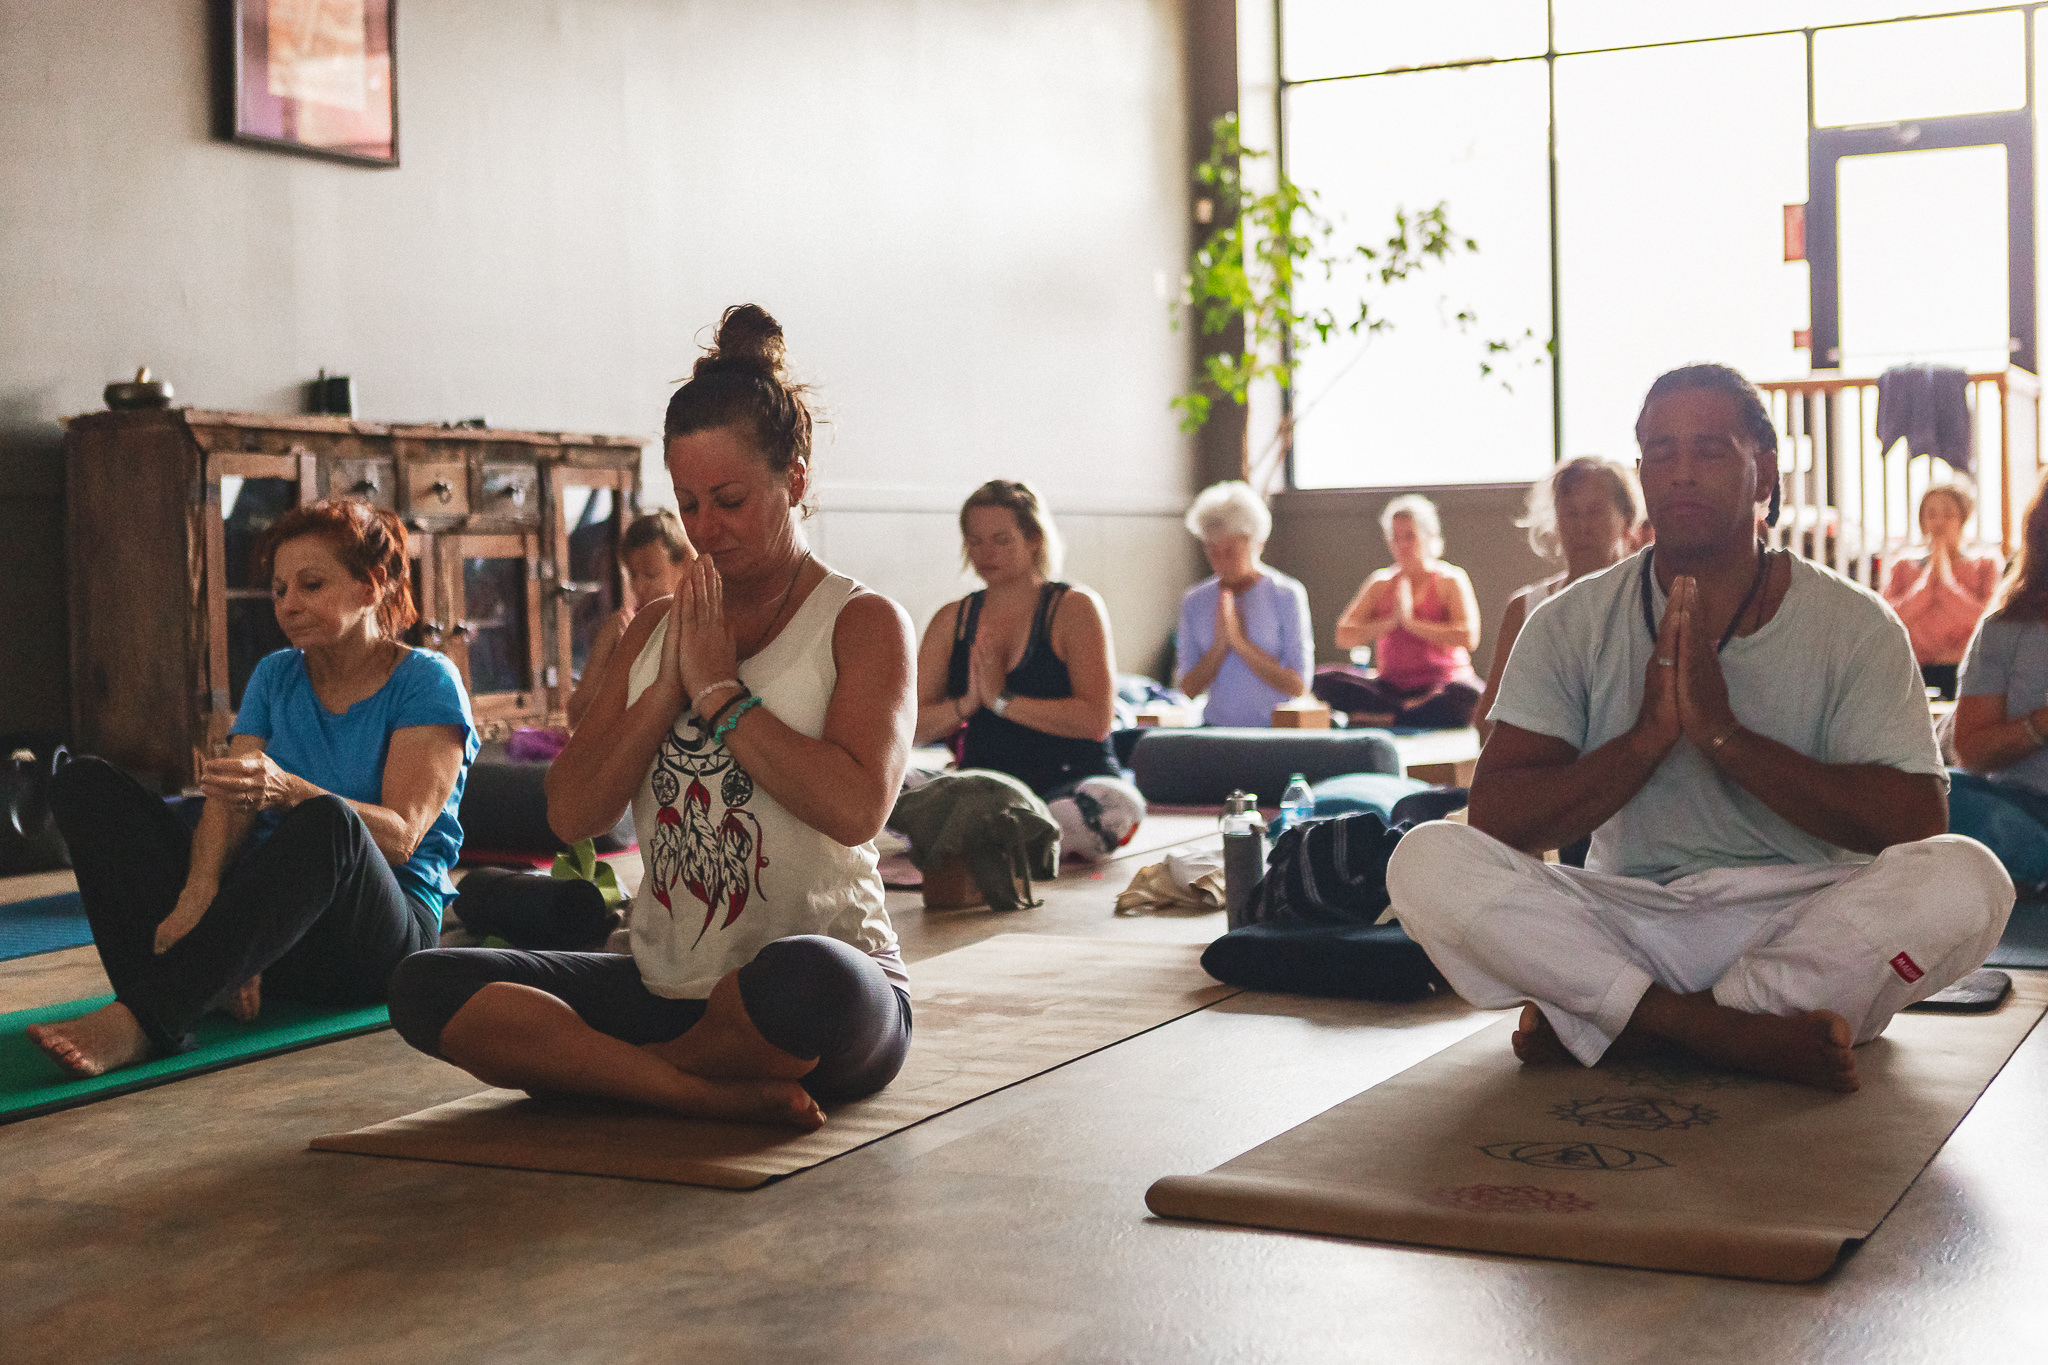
(724, 1044)
(1812, 1048)
(93, 1044)
(1537, 1043)
(247, 1002)
(783, 1103)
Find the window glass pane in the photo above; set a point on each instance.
(1922, 237)
(1888, 72)
(593, 538)
(1408, 406)
(247, 509)
(1674, 168)
(1344, 37)
(1614, 23)
(252, 633)
(494, 608)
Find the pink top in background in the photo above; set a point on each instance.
(1941, 616)
(1408, 660)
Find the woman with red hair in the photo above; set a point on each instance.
(322, 851)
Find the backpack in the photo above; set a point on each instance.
(1310, 921)
(1326, 872)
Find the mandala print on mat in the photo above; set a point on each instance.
(714, 853)
(1508, 1199)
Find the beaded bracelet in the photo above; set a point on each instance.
(723, 685)
(725, 726)
(718, 712)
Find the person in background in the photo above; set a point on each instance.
(655, 554)
(1244, 638)
(1422, 619)
(1999, 796)
(1021, 670)
(322, 852)
(1942, 594)
(1587, 513)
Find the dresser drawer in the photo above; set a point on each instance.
(437, 489)
(509, 492)
(371, 481)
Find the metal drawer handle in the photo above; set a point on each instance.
(462, 630)
(364, 486)
(567, 589)
(443, 490)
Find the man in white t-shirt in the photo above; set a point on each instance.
(1745, 736)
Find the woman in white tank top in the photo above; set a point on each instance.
(758, 724)
(1589, 513)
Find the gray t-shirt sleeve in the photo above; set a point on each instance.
(1880, 712)
(1544, 688)
(1987, 663)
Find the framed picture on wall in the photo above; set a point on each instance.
(316, 77)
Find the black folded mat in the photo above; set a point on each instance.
(1345, 962)
(1981, 992)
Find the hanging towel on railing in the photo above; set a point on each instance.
(1928, 407)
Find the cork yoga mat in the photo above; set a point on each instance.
(986, 1017)
(1664, 1167)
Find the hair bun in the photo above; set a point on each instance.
(748, 338)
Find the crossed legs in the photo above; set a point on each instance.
(809, 1020)
(1777, 970)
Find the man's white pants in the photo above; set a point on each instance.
(1862, 939)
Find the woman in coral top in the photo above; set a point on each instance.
(1422, 620)
(1943, 594)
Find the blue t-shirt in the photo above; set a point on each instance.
(2009, 659)
(1274, 615)
(344, 754)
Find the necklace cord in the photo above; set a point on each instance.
(1763, 560)
(780, 603)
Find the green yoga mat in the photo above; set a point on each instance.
(32, 1084)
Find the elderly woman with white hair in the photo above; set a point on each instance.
(1244, 635)
(1423, 621)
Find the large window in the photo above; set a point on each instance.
(1407, 404)
(1674, 167)
(1666, 143)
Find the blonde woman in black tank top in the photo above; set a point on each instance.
(1020, 672)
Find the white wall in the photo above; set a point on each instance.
(964, 213)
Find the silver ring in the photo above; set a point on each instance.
(1667, 663)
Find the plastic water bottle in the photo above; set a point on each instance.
(1297, 804)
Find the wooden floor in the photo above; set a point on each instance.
(189, 1223)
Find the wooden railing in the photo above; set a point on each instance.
(1852, 507)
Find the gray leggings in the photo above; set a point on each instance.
(808, 995)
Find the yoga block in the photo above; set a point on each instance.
(1201, 767)
(1302, 716)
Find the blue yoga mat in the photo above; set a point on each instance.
(42, 925)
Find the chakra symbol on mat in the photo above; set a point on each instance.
(1635, 1113)
(1508, 1199)
(1575, 1156)
(1681, 1076)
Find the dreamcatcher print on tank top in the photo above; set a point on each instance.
(716, 854)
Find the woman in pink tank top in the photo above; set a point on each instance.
(1942, 595)
(1423, 621)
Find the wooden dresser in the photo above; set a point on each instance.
(514, 544)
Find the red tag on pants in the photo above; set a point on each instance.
(1908, 970)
